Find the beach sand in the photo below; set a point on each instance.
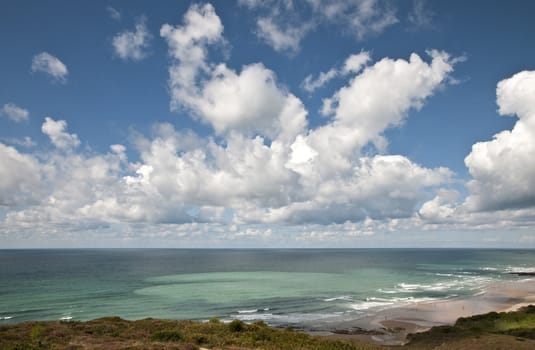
(391, 326)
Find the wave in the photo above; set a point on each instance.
(486, 268)
(252, 311)
(6, 317)
(460, 282)
(381, 303)
(509, 269)
(289, 318)
(445, 274)
(343, 297)
(247, 311)
(519, 269)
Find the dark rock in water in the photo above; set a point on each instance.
(522, 273)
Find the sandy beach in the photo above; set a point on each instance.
(391, 326)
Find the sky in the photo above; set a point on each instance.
(277, 123)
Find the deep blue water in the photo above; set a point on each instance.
(278, 286)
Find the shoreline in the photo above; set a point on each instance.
(396, 326)
(393, 325)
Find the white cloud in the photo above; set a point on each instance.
(421, 16)
(26, 141)
(15, 113)
(442, 208)
(281, 39)
(246, 102)
(310, 84)
(132, 45)
(303, 173)
(253, 232)
(19, 177)
(114, 14)
(187, 46)
(283, 25)
(378, 98)
(264, 167)
(249, 102)
(360, 17)
(353, 64)
(250, 3)
(503, 169)
(50, 65)
(56, 130)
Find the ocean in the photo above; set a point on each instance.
(282, 287)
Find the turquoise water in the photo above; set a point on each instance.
(281, 287)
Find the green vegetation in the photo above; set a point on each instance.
(521, 324)
(505, 330)
(236, 326)
(514, 330)
(166, 336)
(36, 331)
(115, 333)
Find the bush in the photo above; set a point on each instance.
(199, 339)
(166, 336)
(261, 324)
(36, 331)
(214, 320)
(236, 326)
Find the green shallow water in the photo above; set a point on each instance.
(278, 286)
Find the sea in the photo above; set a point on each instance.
(282, 287)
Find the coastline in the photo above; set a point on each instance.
(393, 325)
(410, 325)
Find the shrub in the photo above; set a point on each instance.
(166, 336)
(236, 326)
(214, 320)
(261, 324)
(36, 331)
(199, 339)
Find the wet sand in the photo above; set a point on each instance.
(391, 326)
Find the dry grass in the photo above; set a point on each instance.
(491, 331)
(116, 333)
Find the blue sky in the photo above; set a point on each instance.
(267, 124)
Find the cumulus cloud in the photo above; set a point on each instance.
(283, 25)
(380, 97)
(314, 175)
(15, 113)
(188, 47)
(264, 166)
(56, 130)
(19, 177)
(50, 65)
(353, 64)
(133, 45)
(442, 208)
(247, 102)
(502, 169)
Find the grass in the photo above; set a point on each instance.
(514, 330)
(505, 330)
(116, 333)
